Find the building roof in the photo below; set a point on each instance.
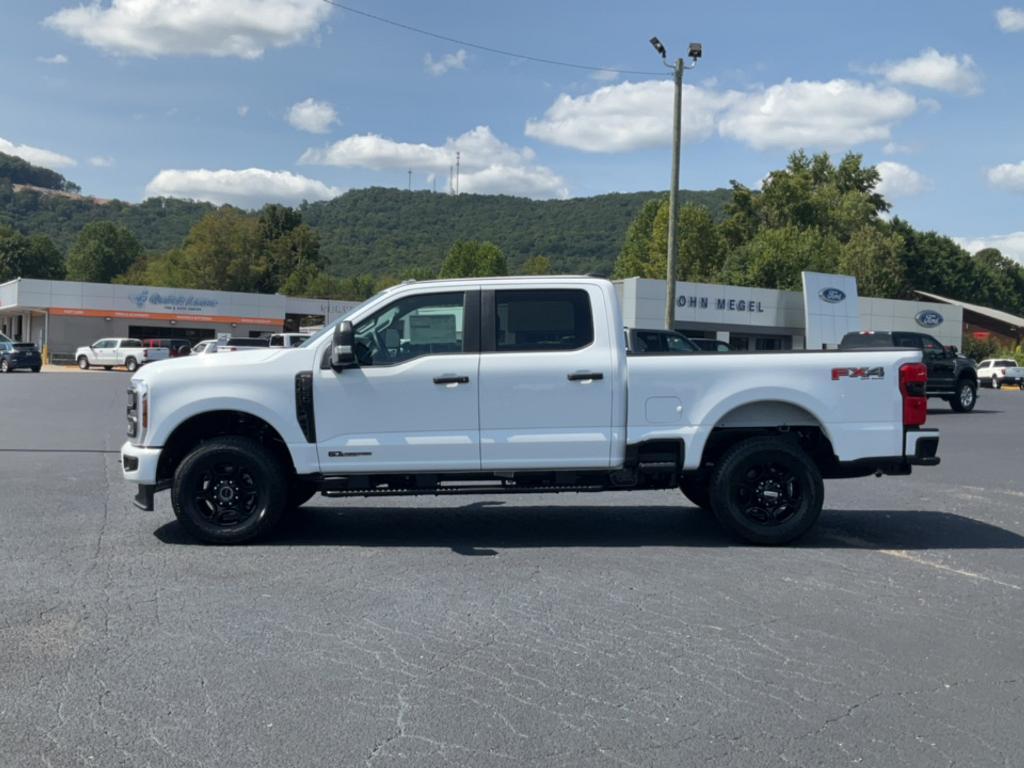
(993, 314)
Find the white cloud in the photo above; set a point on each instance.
(312, 116)
(1011, 245)
(899, 180)
(934, 70)
(243, 28)
(99, 161)
(243, 110)
(44, 157)
(248, 188)
(488, 165)
(447, 62)
(1010, 19)
(605, 75)
(892, 148)
(1008, 176)
(58, 58)
(628, 116)
(835, 115)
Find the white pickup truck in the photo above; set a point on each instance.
(515, 385)
(130, 353)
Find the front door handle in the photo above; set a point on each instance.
(585, 376)
(451, 379)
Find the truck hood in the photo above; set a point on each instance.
(216, 365)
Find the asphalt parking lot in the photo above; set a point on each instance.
(589, 630)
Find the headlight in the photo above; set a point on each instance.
(137, 413)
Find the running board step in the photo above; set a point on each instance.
(459, 490)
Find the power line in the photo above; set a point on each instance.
(487, 48)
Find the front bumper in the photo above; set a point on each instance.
(139, 464)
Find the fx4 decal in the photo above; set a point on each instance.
(857, 373)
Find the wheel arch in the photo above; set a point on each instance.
(772, 416)
(220, 423)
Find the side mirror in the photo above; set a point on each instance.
(342, 347)
(952, 349)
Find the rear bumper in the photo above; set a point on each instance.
(921, 447)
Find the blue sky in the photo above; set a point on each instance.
(252, 100)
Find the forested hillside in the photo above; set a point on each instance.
(391, 231)
(365, 231)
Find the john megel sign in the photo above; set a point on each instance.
(729, 305)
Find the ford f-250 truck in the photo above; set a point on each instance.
(514, 385)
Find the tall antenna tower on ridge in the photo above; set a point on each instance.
(458, 163)
(410, 179)
(451, 177)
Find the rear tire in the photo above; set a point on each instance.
(697, 488)
(5, 367)
(767, 490)
(229, 490)
(83, 362)
(966, 396)
(36, 369)
(996, 384)
(131, 364)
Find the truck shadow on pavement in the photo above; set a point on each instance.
(482, 528)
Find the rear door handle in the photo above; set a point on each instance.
(451, 379)
(585, 376)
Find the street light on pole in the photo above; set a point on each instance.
(695, 52)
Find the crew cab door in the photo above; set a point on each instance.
(412, 403)
(546, 379)
(102, 352)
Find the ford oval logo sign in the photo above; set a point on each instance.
(928, 318)
(831, 295)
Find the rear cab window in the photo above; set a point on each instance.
(542, 320)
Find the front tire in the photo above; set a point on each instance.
(131, 364)
(5, 366)
(83, 362)
(966, 396)
(996, 383)
(767, 490)
(229, 490)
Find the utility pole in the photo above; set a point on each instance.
(672, 259)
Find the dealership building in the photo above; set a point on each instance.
(765, 319)
(60, 315)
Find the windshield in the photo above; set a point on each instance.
(329, 328)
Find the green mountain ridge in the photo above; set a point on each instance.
(364, 231)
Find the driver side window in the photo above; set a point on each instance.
(412, 327)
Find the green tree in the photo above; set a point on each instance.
(536, 265)
(873, 257)
(635, 258)
(30, 257)
(774, 258)
(471, 258)
(102, 251)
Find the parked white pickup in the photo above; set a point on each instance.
(109, 353)
(515, 385)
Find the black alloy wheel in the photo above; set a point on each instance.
(229, 490)
(767, 490)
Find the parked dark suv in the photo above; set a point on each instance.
(19, 354)
(951, 376)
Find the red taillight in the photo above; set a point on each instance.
(913, 378)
